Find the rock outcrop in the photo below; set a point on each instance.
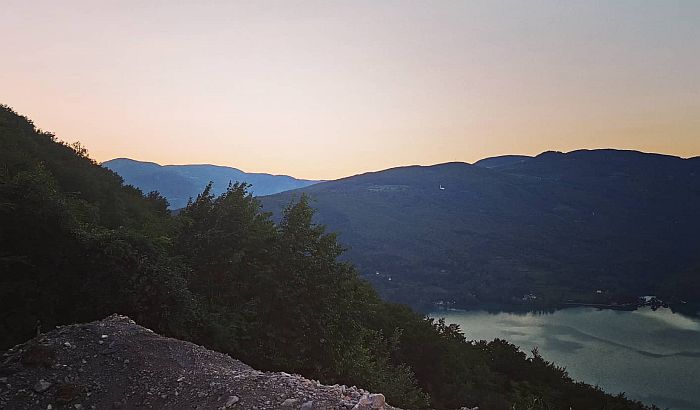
(116, 364)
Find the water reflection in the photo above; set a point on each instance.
(652, 355)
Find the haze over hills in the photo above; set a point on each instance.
(601, 226)
(453, 245)
(178, 183)
(77, 244)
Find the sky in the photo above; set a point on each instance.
(326, 89)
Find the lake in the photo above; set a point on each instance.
(653, 356)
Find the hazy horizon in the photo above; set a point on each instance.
(322, 90)
(442, 204)
(381, 169)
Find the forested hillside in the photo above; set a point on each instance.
(600, 226)
(77, 245)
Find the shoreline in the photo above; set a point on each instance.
(689, 310)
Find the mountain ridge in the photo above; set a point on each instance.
(525, 223)
(179, 183)
(78, 244)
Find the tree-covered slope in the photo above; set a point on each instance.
(557, 226)
(77, 245)
(179, 183)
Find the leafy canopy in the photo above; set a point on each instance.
(77, 245)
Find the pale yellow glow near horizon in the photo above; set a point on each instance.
(329, 89)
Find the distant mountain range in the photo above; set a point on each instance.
(601, 226)
(178, 183)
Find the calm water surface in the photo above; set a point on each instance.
(653, 356)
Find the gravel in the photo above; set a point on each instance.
(116, 364)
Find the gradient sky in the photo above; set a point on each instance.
(334, 88)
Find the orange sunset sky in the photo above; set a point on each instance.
(328, 89)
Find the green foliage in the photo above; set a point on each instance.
(77, 245)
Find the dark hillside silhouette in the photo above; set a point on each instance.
(559, 227)
(77, 245)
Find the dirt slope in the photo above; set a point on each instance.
(116, 364)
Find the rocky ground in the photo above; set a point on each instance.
(116, 364)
